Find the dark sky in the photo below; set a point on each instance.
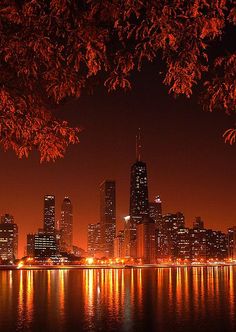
(188, 163)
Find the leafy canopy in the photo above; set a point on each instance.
(52, 50)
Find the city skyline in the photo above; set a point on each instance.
(189, 164)
(50, 209)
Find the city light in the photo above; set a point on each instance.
(90, 260)
(20, 265)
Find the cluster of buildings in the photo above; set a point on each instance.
(8, 239)
(148, 234)
(55, 240)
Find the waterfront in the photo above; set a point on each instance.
(161, 299)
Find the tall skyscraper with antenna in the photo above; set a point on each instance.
(139, 205)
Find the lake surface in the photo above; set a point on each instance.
(163, 299)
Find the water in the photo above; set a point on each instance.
(177, 299)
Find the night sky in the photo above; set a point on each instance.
(189, 164)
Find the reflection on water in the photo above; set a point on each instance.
(196, 299)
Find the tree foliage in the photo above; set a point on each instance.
(51, 50)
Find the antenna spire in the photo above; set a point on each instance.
(138, 145)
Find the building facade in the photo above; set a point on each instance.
(155, 211)
(45, 245)
(139, 203)
(30, 245)
(66, 226)
(49, 213)
(94, 240)
(108, 216)
(8, 238)
(232, 243)
(119, 245)
(146, 250)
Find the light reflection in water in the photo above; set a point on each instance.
(20, 299)
(121, 299)
(29, 295)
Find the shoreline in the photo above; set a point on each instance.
(97, 267)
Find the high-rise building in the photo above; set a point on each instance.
(168, 235)
(139, 205)
(94, 240)
(155, 211)
(146, 240)
(108, 216)
(184, 243)
(66, 226)
(216, 244)
(30, 245)
(129, 245)
(44, 245)
(199, 243)
(119, 245)
(232, 243)
(198, 223)
(8, 238)
(49, 213)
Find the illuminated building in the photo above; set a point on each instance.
(129, 245)
(155, 211)
(108, 216)
(8, 238)
(44, 245)
(167, 236)
(119, 245)
(199, 240)
(232, 242)
(216, 244)
(198, 223)
(49, 213)
(162, 244)
(146, 240)
(199, 243)
(30, 245)
(66, 226)
(139, 204)
(183, 243)
(94, 240)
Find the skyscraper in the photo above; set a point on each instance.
(146, 240)
(155, 211)
(49, 213)
(94, 239)
(139, 205)
(168, 237)
(66, 226)
(232, 243)
(8, 238)
(119, 245)
(30, 245)
(108, 216)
